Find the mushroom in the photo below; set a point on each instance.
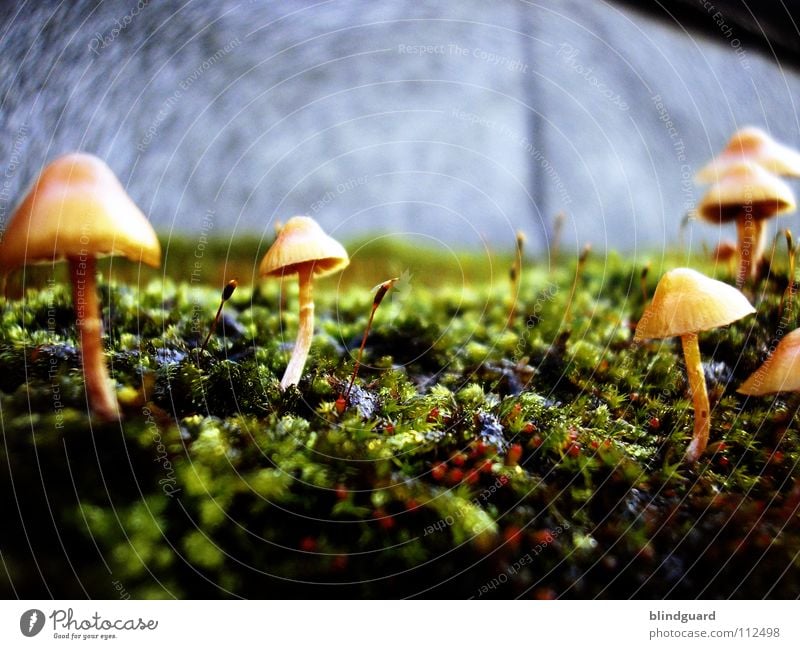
(752, 144)
(780, 372)
(77, 210)
(725, 253)
(748, 194)
(303, 248)
(685, 303)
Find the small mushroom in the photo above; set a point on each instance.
(749, 195)
(725, 253)
(685, 303)
(780, 372)
(77, 210)
(752, 144)
(303, 248)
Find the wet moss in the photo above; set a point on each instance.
(474, 456)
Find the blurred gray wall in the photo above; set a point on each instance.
(459, 121)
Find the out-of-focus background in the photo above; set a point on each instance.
(454, 122)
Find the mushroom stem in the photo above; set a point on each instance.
(101, 396)
(697, 385)
(743, 249)
(759, 244)
(788, 293)
(305, 333)
(751, 235)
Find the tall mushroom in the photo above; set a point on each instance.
(685, 303)
(780, 372)
(749, 195)
(752, 144)
(302, 248)
(77, 210)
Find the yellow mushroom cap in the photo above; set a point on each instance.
(780, 372)
(746, 189)
(300, 242)
(752, 144)
(686, 302)
(77, 207)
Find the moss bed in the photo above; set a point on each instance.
(477, 457)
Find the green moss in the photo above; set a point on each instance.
(547, 448)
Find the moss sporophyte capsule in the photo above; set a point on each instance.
(227, 292)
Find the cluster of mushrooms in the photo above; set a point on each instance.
(747, 191)
(77, 210)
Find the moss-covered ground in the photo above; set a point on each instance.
(476, 456)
